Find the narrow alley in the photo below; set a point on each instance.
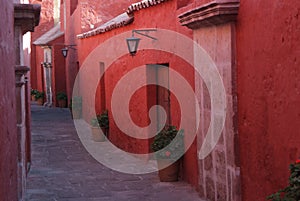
(62, 170)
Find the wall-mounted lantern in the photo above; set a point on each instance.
(133, 42)
(65, 50)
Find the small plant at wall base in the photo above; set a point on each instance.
(169, 147)
(103, 121)
(39, 96)
(292, 191)
(33, 92)
(97, 135)
(61, 98)
(166, 137)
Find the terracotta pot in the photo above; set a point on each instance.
(169, 173)
(40, 101)
(62, 103)
(97, 135)
(33, 98)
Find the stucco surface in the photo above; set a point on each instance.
(8, 133)
(268, 94)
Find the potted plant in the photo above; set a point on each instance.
(61, 98)
(33, 93)
(76, 107)
(103, 121)
(292, 191)
(39, 96)
(168, 146)
(96, 133)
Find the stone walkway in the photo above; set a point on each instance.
(62, 170)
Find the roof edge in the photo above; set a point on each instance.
(143, 5)
(114, 23)
(108, 26)
(49, 36)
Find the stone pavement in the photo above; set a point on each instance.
(62, 170)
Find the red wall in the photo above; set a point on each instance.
(139, 107)
(39, 76)
(8, 132)
(33, 69)
(73, 27)
(268, 93)
(58, 68)
(79, 16)
(37, 55)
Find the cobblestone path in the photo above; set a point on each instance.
(62, 170)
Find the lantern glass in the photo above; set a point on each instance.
(64, 52)
(133, 44)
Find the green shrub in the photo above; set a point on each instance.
(61, 96)
(33, 92)
(39, 94)
(103, 119)
(167, 137)
(292, 191)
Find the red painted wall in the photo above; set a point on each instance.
(39, 74)
(33, 69)
(46, 23)
(37, 55)
(58, 68)
(73, 26)
(81, 16)
(36, 71)
(8, 132)
(139, 107)
(268, 93)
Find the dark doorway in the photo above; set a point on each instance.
(158, 95)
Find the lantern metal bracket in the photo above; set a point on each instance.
(146, 33)
(133, 42)
(66, 49)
